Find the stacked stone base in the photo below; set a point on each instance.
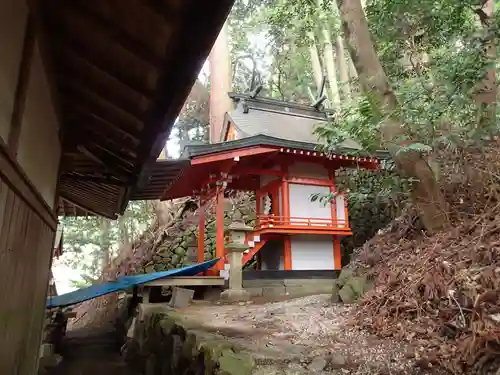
(288, 287)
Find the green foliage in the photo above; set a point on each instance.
(434, 53)
(269, 46)
(83, 239)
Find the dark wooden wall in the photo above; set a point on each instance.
(27, 228)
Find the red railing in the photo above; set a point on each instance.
(273, 221)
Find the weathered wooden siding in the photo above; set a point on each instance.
(27, 229)
(39, 148)
(29, 131)
(13, 16)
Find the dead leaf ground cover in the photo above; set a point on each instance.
(441, 293)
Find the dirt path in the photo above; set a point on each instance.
(304, 335)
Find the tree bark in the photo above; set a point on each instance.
(330, 69)
(486, 90)
(220, 83)
(353, 74)
(342, 67)
(373, 80)
(315, 62)
(105, 251)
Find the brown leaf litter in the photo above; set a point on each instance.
(441, 293)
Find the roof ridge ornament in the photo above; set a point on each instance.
(321, 96)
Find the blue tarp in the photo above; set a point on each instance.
(123, 283)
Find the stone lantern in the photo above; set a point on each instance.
(235, 248)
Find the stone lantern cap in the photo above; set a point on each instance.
(235, 247)
(239, 226)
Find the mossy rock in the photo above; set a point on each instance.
(175, 259)
(359, 285)
(180, 251)
(190, 346)
(212, 351)
(344, 276)
(335, 294)
(231, 363)
(347, 295)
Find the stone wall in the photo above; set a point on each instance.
(288, 287)
(178, 247)
(163, 343)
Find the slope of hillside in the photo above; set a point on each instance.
(441, 293)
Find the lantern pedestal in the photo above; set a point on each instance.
(235, 293)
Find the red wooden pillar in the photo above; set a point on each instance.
(337, 257)
(333, 207)
(219, 225)
(201, 234)
(285, 206)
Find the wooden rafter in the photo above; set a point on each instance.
(105, 161)
(87, 56)
(78, 63)
(95, 134)
(99, 120)
(93, 178)
(102, 90)
(85, 91)
(114, 33)
(122, 86)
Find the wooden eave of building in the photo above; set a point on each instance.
(243, 159)
(120, 72)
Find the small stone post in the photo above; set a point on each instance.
(236, 247)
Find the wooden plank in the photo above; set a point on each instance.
(25, 252)
(22, 85)
(187, 281)
(11, 173)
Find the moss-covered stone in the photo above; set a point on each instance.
(167, 343)
(335, 294)
(358, 285)
(231, 363)
(347, 295)
(212, 350)
(344, 276)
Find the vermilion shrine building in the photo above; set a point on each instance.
(268, 147)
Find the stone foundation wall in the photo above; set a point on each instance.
(288, 287)
(163, 343)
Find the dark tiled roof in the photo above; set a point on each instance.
(166, 172)
(290, 121)
(251, 141)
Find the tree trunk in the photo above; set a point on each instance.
(486, 90)
(353, 74)
(220, 84)
(315, 62)
(124, 233)
(330, 69)
(105, 251)
(342, 67)
(427, 195)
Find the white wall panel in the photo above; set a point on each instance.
(312, 252)
(301, 205)
(307, 170)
